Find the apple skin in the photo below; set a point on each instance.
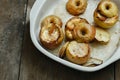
(104, 22)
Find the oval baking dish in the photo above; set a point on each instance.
(43, 8)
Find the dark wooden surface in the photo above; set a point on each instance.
(20, 60)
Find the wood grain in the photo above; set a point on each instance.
(117, 70)
(36, 66)
(20, 60)
(11, 35)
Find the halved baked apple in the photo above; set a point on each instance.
(75, 52)
(79, 29)
(51, 33)
(106, 14)
(102, 35)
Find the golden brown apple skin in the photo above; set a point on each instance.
(51, 34)
(79, 29)
(102, 35)
(106, 14)
(74, 57)
(76, 7)
(104, 22)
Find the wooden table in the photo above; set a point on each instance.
(20, 60)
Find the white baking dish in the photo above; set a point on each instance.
(42, 8)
